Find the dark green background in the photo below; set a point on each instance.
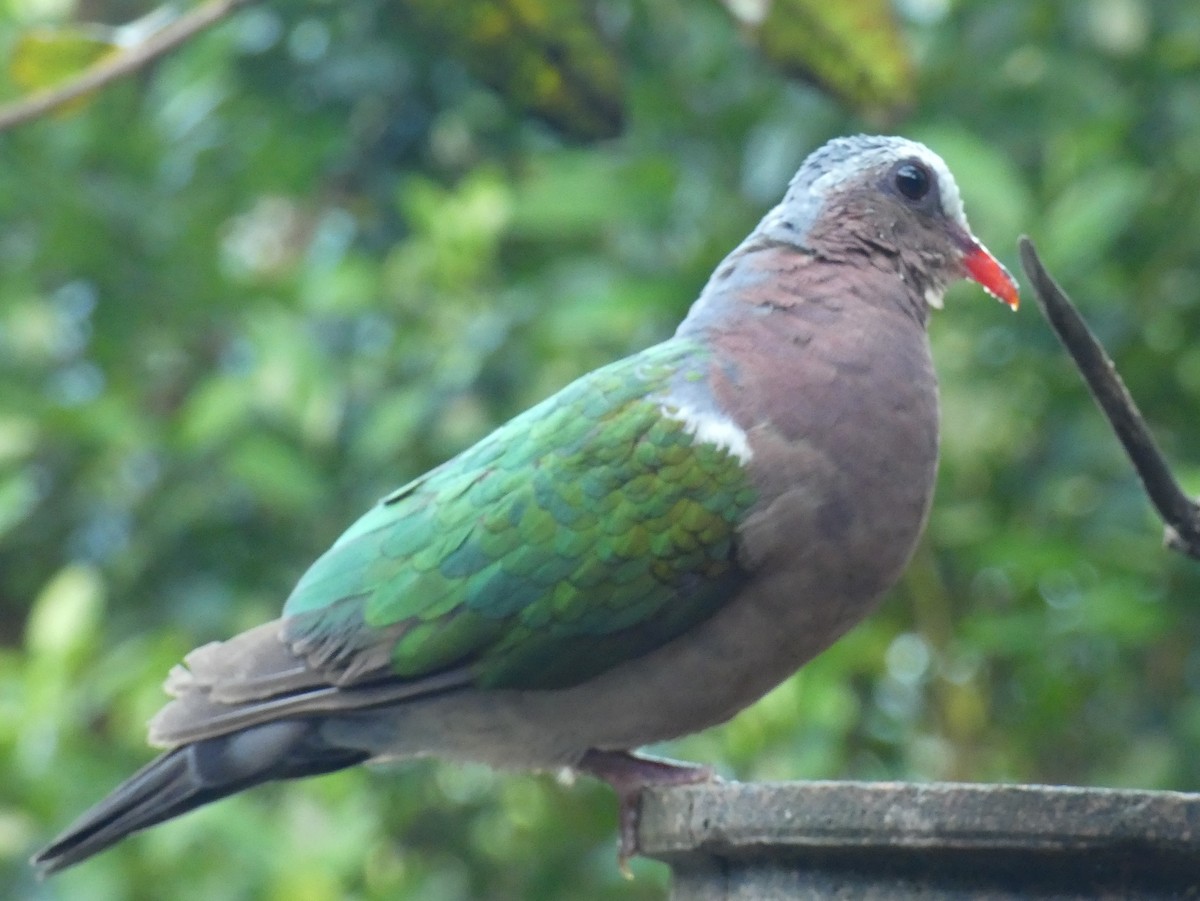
(310, 255)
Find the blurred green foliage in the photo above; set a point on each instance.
(314, 253)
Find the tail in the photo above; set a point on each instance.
(193, 775)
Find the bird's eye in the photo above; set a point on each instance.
(913, 181)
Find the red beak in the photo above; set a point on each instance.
(987, 270)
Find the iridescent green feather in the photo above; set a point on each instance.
(587, 531)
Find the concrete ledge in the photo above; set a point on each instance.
(898, 841)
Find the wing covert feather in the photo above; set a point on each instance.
(590, 529)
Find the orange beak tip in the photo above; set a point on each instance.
(1010, 298)
(985, 269)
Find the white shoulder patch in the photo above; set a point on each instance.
(711, 428)
(935, 297)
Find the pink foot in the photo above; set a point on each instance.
(628, 774)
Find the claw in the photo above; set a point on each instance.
(628, 774)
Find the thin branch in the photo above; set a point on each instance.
(1180, 514)
(123, 63)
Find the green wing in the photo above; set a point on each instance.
(589, 530)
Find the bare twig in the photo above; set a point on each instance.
(121, 64)
(1180, 514)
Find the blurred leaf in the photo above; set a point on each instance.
(18, 495)
(545, 56)
(66, 611)
(275, 472)
(854, 50)
(549, 200)
(44, 57)
(1088, 217)
(218, 407)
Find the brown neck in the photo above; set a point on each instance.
(769, 276)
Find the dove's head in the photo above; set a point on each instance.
(892, 200)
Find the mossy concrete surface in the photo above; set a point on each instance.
(844, 840)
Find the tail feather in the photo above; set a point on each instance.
(193, 775)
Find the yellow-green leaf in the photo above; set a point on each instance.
(44, 57)
(853, 49)
(545, 56)
(66, 611)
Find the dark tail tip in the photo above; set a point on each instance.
(157, 792)
(191, 776)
